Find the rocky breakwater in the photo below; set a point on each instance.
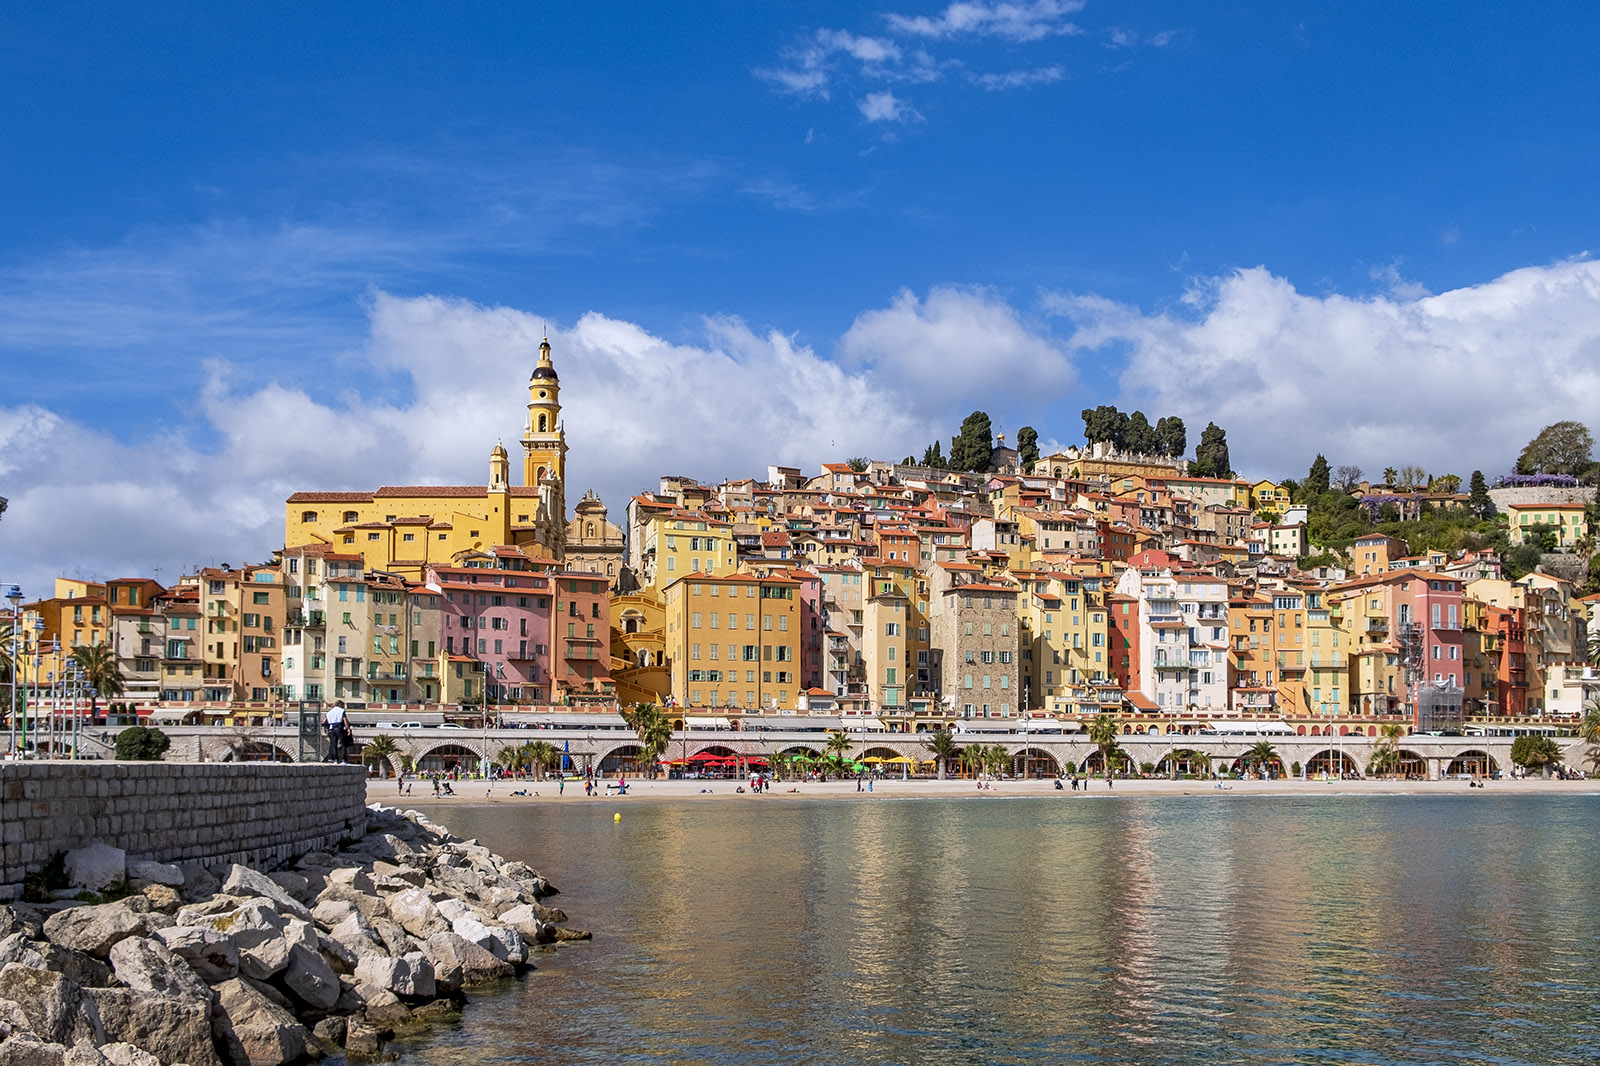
(232, 966)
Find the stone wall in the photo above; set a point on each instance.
(1504, 498)
(257, 814)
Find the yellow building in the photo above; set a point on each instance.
(1327, 681)
(734, 641)
(404, 528)
(1062, 640)
(1568, 520)
(1375, 679)
(677, 543)
(1268, 496)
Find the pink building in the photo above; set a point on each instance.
(500, 618)
(581, 637)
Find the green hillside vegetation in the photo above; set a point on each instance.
(1335, 520)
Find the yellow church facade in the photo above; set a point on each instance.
(405, 528)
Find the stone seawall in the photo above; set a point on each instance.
(254, 814)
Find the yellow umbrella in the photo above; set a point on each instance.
(875, 759)
(898, 759)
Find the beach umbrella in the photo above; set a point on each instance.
(873, 759)
(899, 759)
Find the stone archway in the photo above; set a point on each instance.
(448, 759)
(1032, 762)
(1332, 762)
(1474, 761)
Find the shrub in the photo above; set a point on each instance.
(140, 743)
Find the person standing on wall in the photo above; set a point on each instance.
(338, 732)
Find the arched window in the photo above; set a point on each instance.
(543, 423)
(611, 569)
(540, 476)
(352, 516)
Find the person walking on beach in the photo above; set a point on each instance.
(561, 785)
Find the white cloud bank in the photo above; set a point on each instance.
(635, 407)
(1452, 382)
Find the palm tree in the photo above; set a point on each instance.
(510, 757)
(1386, 753)
(98, 662)
(1103, 734)
(997, 760)
(970, 758)
(1389, 474)
(380, 749)
(655, 732)
(541, 754)
(943, 747)
(838, 744)
(1261, 755)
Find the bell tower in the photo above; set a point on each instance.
(544, 442)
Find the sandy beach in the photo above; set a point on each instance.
(546, 792)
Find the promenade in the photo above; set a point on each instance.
(470, 792)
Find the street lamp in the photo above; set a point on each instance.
(14, 594)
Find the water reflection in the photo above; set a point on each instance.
(1361, 929)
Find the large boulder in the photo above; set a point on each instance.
(297, 885)
(96, 866)
(21, 918)
(458, 963)
(354, 877)
(502, 942)
(369, 905)
(18, 948)
(25, 1049)
(262, 935)
(173, 1030)
(58, 1011)
(12, 1019)
(243, 881)
(357, 937)
(525, 920)
(211, 954)
(146, 872)
(310, 979)
(410, 976)
(163, 898)
(256, 1031)
(121, 1053)
(146, 965)
(396, 941)
(415, 912)
(95, 929)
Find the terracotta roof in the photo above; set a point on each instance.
(330, 497)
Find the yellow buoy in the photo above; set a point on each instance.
(616, 817)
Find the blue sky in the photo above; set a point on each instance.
(245, 248)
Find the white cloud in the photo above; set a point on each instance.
(1018, 79)
(1453, 382)
(1024, 20)
(811, 63)
(961, 347)
(635, 406)
(885, 107)
(864, 49)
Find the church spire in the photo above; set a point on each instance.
(544, 443)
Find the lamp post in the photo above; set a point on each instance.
(14, 594)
